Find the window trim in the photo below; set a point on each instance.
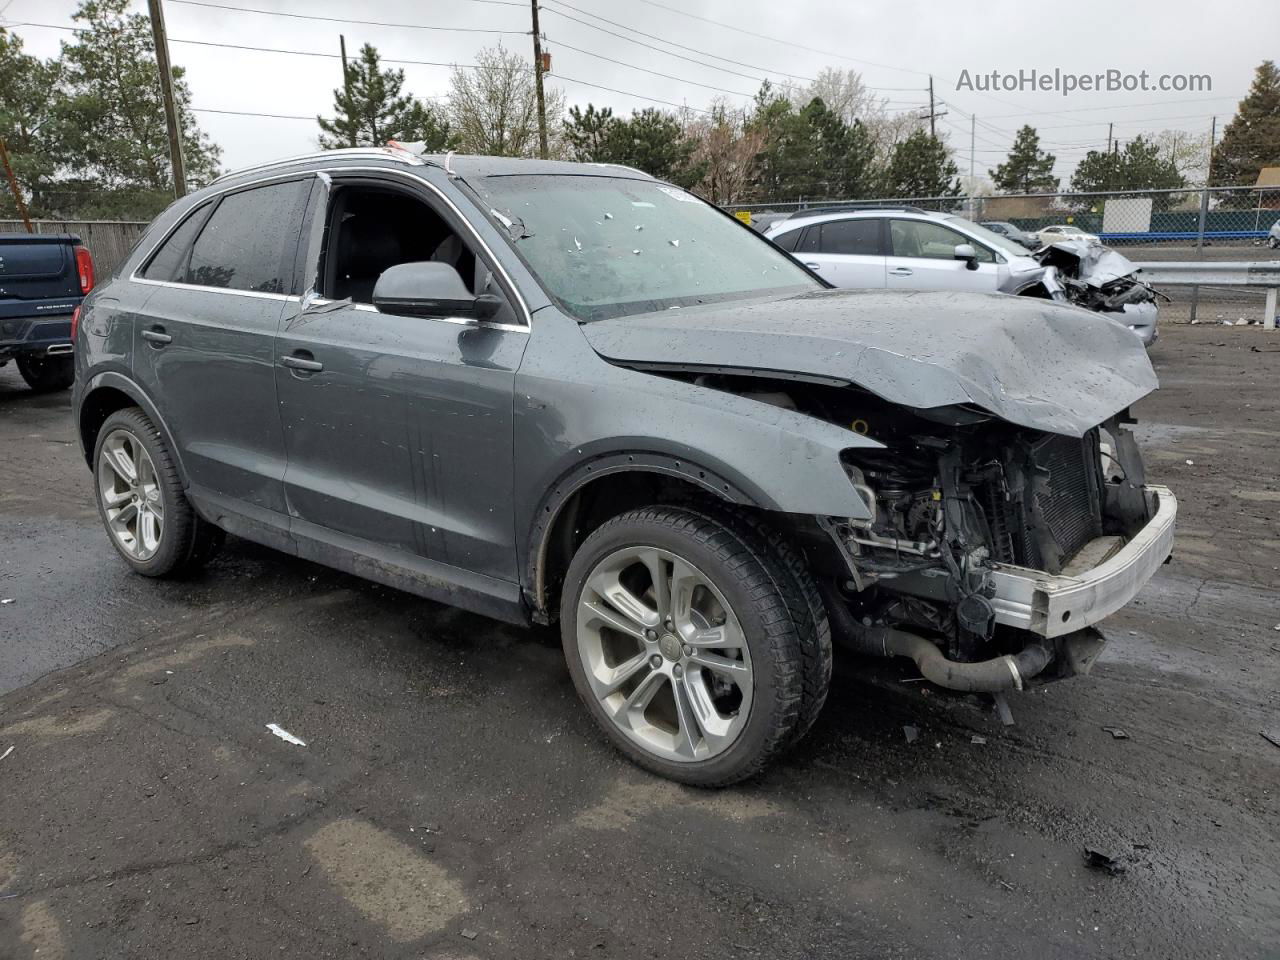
(136, 277)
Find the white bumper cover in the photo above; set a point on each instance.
(1055, 605)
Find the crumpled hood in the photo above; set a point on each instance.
(1028, 361)
(1097, 264)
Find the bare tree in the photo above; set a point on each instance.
(494, 108)
(1188, 152)
(724, 154)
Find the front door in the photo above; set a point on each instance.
(204, 342)
(399, 429)
(922, 257)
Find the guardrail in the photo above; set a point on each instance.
(1227, 273)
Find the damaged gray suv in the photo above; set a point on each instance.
(558, 392)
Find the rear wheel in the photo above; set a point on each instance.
(46, 374)
(141, 501)
(682, 636)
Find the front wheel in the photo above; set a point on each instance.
(681, 637)
(46, 374)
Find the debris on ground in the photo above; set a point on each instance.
(1098, 860)
(469, 934)
(10, 750)
(284, 734)
(1271, 735)
(1117, 733)
(6, 600)
(912, 733)
(977, 739)
(1191, 463)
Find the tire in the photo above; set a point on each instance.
(747, 622)
(162, 536)
(47, 374)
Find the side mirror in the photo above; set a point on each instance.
(965, 251)
(430, 289)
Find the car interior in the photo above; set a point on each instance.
(372, 228)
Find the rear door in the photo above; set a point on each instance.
(922, 257)
(37, 278)
(847, 252)
(204, 343)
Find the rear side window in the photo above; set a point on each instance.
(251, 240)
(787, 241)
(860, 237)
(170, 261)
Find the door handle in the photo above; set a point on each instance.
(813, 266)
(302, 361)
(157, 336)
(900, 272)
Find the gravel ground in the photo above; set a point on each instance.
(453, 799)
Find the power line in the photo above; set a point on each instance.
(789, 43)
(370, 23)
(656, 73)
(709, 66)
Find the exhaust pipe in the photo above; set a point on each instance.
(58, 349)
(987, 676)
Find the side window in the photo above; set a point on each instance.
(930, 241)
(372, 227)
(169, 263)
(859, 237)
(787, 241)
(251, 240)
(809, 242)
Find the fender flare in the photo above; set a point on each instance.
(606, 464)
(118, 381)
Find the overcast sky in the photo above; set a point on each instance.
(894, 45)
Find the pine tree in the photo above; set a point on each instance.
(588, 134)
(1251, 140)
(1028, 169)
(921, 166)
(370, 110)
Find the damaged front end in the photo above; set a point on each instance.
(1098, 278)
(992, 550)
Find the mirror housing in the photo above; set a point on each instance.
(965, 252)
(430, 289)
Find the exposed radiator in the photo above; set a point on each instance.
(1065, 510)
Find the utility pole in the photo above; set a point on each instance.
(1110, 127)
(1204, 213)
(973, 201)
(933, 132)
(537, 79)
(13, 185)
(166, 90)
(346, 83)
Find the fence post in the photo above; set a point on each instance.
(1269, 316)
(1204, 212)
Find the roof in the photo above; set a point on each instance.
(470, 165)
(818, 214)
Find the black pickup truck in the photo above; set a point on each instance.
(43, 278)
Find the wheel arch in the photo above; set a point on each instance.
(104, 395)
(601, 488)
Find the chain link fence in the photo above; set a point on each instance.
(1215, 224)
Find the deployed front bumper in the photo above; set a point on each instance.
(1053, 606)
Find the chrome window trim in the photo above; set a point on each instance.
(523, 307)
(463, 321)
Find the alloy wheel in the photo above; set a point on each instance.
(130, 495)
(664, 654)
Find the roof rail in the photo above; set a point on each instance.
(858, 207)
(388, 153)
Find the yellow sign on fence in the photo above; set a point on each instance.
(744, 216)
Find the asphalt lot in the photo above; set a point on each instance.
(453, 799)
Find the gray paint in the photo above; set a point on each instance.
(1031, 362)
(432, 454)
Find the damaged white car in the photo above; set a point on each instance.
(907, 248)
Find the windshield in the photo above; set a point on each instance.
(990, 237)
(610, 247)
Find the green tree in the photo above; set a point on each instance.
(652, 141)
(26, 122)
(110, 122)
(370, 109)
(588, 134)
(810, 152)
(1251, 140)
(921, 166)
(1028, 168)
(1141, 165)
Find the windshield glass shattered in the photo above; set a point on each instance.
(611, 247)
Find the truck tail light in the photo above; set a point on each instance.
(84, 267)
(75, 323)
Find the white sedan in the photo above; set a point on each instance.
(1064, 231)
